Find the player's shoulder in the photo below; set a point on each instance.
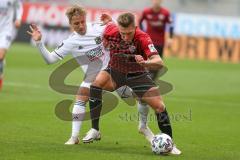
(164, 10)
(140, 35)
(94, 24)
(147, 10)
(95, 27)
(72, 36)
(71, 40)
(111, 29)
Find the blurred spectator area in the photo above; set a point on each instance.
(213, 7)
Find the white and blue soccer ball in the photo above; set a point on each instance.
(162, 144)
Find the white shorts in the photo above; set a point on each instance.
(5, 40)
(85, 84)
(91, 75)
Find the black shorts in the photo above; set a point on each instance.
(139, 82)
(160, 49)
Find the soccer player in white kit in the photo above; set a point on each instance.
(85, 45)
(10, 18)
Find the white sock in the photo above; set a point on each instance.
(78, 116)
(143, 110)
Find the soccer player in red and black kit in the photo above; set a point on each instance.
(157, 18)
(131, 54)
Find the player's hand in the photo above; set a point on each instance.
(140, 60)
(17, 23)
(35, 32)
(105, 18)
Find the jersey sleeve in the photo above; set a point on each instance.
(168, 17)
(64, 49)
(148, 47)
(98, 27)
(109, 27)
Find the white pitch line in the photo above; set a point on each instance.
(14, 84)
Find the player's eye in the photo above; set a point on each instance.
(77, 23)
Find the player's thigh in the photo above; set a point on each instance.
(5, 42)
(153, 98)
(104, 81)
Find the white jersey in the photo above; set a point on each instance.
(9, 11)
(86, 49)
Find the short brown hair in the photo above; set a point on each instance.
(75, 10)
(126, 19)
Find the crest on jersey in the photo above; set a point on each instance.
(152, 48)
(98, 40)
(132, 49)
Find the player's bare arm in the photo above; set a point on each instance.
(154, 62)
(36, 35)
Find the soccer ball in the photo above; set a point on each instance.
(162, 144)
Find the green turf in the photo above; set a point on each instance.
(204, 108)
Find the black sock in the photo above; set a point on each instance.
(164, 123)
(95, 103)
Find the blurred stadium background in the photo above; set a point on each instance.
(203, 67)
(206, 29)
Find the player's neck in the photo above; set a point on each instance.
(156, 8)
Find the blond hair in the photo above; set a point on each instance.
(75, 10)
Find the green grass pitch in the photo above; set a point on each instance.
(204, 108)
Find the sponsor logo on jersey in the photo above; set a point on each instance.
(156, 23)
(94, 53)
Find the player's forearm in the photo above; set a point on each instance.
(49, 57)
(154, 63)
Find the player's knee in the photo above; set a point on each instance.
(2, 54)
(96, 83)
(160, 107)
